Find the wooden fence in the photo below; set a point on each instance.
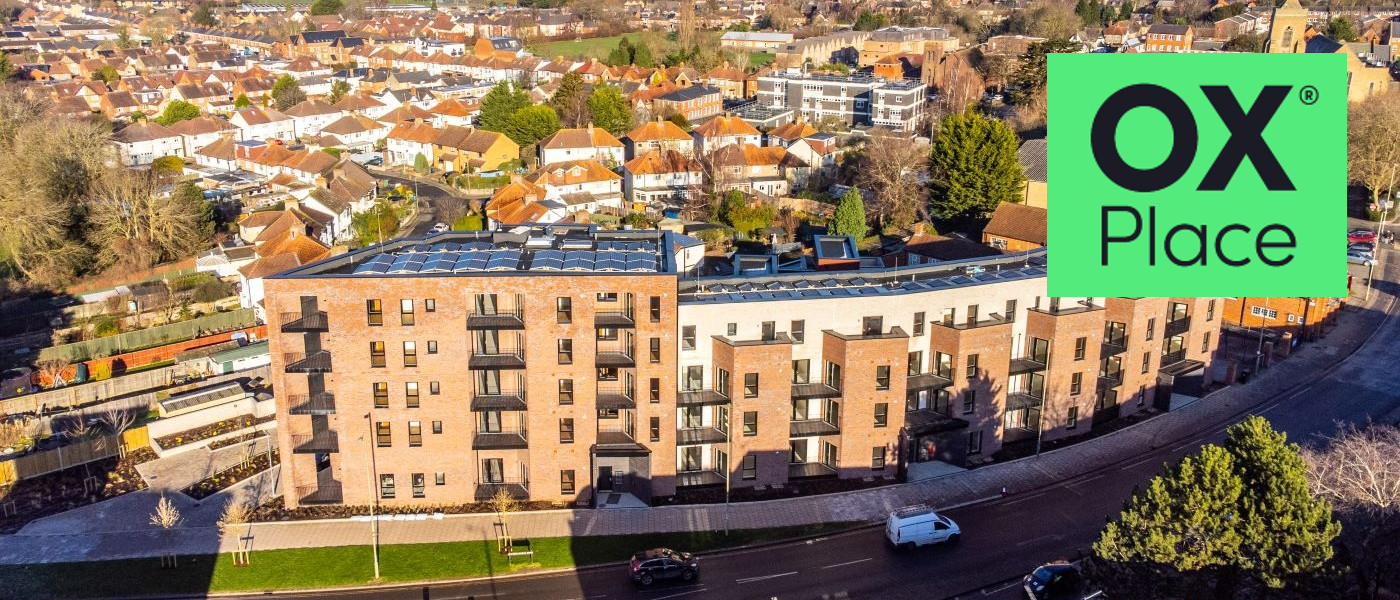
(72, 455)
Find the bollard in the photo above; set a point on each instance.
(1268, 356)
(1286, 345)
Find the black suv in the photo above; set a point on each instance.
(663, 563)
(1053, 582)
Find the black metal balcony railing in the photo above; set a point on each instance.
(502, 399)
(615, 356)
(299, 322)
(813, 427)
(701, 398)
(1024, 399)
(699, 478)
(614, 318)
(616, 434)
(319, 403)
(1171, 358)
(616, 397)
(499, 358)
(320, 494)
(1111, 378)
(320, 441)
(810, 470)
(927, 381)
(516, 487)
(301, 362)
(1113, 346)
(814, 390)
(1029, 364)
(1178, 326)
(515, 439)
(695, 436)
(500, 319)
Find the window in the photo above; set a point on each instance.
(798, 331)
(656, 309)
(969, 401)
(1205, 342)
(1210, 310)
(654, 390)
(437, 427)
(972, 314)
(419, 482)
(607, 296)
(383, 435)
(1080, 345)
(688, 337)
(386, 486)
(493, 470)
(731, 330)
(916, 362)
(566, 352)
(797, 452)
(430, 305)
(882, 377)
(872, 325)
(374, 309)
(942, 365)
(974, 443)
(440, 478)
(1010, 311)
(833, 375)
(1142, 395)
(566, 431)
(376, 354)
(432, 346)
(607, 333)
(750, 470)
(1146, 361)
(434, 388)
(410, 354)
(1076, 384)
(1072, 418)
(918, 323)
(406, 312)
(566, 481)
(1264, 312)
(972, 366)
(1151, 325)
(415, 434)
(882, 414)
(655, 351)
(877, 458)
(564, 309)
(949, 315)
(750, 385)
(722, 381)
(750, 423)
(566, 391)
(656, 429)
(801, 370)
(694, 378)
(410, 394)
(381, 394)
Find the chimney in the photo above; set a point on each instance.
(590, 130)
(530, 197)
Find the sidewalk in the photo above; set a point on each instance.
(1306, 365)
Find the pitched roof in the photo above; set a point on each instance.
(1018, 222)
(311, 108)
(571, 172)
(352, 124)
(725, 125)
(357, 102)
(946, 248)
(1032, 156)
(201, 126)
(657, 162)
(422, 133)
(589, 137)
(517, 202)
(793, 131)
(657, 130)
(143, 132)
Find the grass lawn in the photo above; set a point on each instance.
(351, 565)
(759, 59)
(600, 47)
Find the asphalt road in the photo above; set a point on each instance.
(428, 195)
(1001, 541)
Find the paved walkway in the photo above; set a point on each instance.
(132, 538)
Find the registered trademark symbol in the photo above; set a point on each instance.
(1308, 95)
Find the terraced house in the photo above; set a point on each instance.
(561, 362)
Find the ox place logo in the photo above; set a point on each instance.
(1246, 139)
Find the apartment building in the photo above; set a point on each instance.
(854, 99)
(903, 40)
(560, 362)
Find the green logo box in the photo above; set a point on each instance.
(1127, 174)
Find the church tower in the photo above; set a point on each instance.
(1287, 28)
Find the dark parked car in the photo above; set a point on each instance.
(663, 563)
(1055, 581)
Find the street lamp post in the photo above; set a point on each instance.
(374, 493)
(1259, 352)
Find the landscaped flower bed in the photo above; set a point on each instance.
(190, 436)
(218, 482)
(237, 440)
(789, 490)
(276, 511)
(64, 490)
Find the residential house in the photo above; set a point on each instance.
(309, 116)
(1015, 227)
(259, 123)
(589, 142)
(723, 131)
(755, 41)
(1165, 37)
(455, 112)
(1033, 158)
(659, 134)
(583, 185)
(821, 153)
(661, 176)
(199, 132)
(356, 132)
(732, 82)
(748, 167)
(140, 143)
(407, 141)
(470, 150)
(695, 103)
(290, 248)
(1284, 320)
(520, 202)
(789, 133)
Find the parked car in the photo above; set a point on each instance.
(1361, 235)
(439, 228)
(649, 566)
(919, 525)
(1361, 252)
(1363, 247)
(1054, 581)
(1359, 258)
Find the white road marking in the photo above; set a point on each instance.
(690, 587)
(1138, 463)
(1052, 537)
(678, 595)
(753, 579)
(844, 564)
(1001, 589)
(1019, 500)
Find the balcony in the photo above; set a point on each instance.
(498, 400)
(1024, 399)
(814, 390)
(1178, 326)
(319, 403)
(325, 493)
(810, 471)
(499, 358)
(616, 435)
(812, 427)
(927, 381)
(699, 478)
(316, 443)
(615, 356)
(1111, 378)
(1171, 358)
(500, 319)
(500, 440)
(301, 362)
(1029, 364)
(614, 318)
(1113, 347)
(615, 397)
(304, 322)
(701, 398)
(516, 487)
(695, 436)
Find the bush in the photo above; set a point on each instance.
(101, 371)
(472, 222)
(106, 326)
(211, 291)
(189, 282)
(713, 237)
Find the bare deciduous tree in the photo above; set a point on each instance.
(450, 209)
(77, 428)
(504, 504)
(1373, 143)
(51, 370)
(1359, 472)
(135, 221)
(236, 512)
(166, 515)
(15, 431)
(892, 171)
(118, 419)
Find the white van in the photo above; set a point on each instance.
(919, 526)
